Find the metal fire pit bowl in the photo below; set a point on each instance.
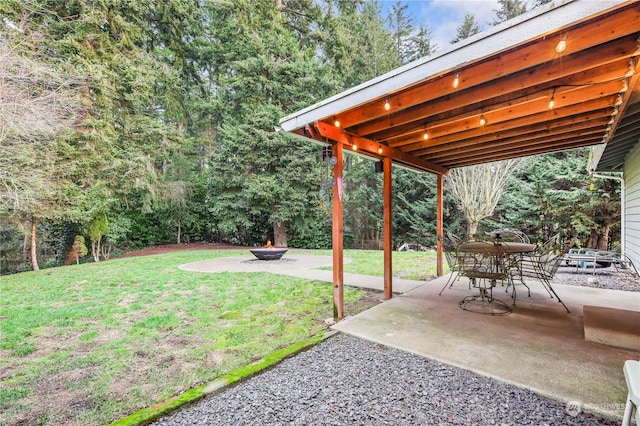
(268, 253)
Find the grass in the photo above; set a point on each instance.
(89, 344)
(410, 265)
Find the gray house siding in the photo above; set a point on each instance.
(632, 206)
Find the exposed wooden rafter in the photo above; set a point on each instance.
(592, 84)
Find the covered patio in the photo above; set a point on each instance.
(539, 346)
(557, 78)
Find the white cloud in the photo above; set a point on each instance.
(445, 16)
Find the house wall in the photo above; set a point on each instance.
(632, 206)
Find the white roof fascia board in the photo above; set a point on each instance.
(533, 24)
(596, 155)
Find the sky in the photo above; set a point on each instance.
(445, 16)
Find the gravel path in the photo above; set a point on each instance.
(604, 278)
(349, 381)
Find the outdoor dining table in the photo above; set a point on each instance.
(488, 260)
(505, 247)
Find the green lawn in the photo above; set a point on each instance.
(410, 265)
(88, 344)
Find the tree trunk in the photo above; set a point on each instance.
(603, 238)
(279, 235)
(34, 252)
(593, 240)
(95, 251)
(179, 232)
(473, 228)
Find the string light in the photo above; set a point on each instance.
(562, 44)
(552, 101)
(380, 150)
(456, 81)
(336, 122)
(354, 147)
(425, 135)
(483, 120)
(387, 105)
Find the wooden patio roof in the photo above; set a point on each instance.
(488, 97)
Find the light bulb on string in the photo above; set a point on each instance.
(562, 44)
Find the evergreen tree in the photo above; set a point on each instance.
(551, 194)
(358, 47)
(509, 9)
(129, 126)
(468, 28)
(401, 26)
(39, 102)
(414, 207)
(421, 44)
(260, 179)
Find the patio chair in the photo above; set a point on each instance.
(541, 266)
(548, 245)
(449, 244)
(624, 263)
(632, 376)
(510, 235)
(483, 269)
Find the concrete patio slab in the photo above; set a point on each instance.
(301, 266)
(539, 346)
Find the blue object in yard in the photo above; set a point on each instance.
(583, 264)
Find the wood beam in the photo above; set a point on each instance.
(337, 235)
(530, 112)
(526, 152)
(524, 149)
(375, 149)
(520, 59)
(590, 130)
(388, 228)
(439, 224)
(596, 107)
(437, 110)
(633, 81)
(437, 124)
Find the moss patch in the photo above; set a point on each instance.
(149, 414)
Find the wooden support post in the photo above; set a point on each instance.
(337, 234)
(439, 224)
(387, 228)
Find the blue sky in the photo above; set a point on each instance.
(444, 16)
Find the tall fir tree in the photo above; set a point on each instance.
(468, 28)
(261, 182)
(509, 9)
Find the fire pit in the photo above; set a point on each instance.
(268, 253)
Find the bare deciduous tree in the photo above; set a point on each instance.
(479, 188)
